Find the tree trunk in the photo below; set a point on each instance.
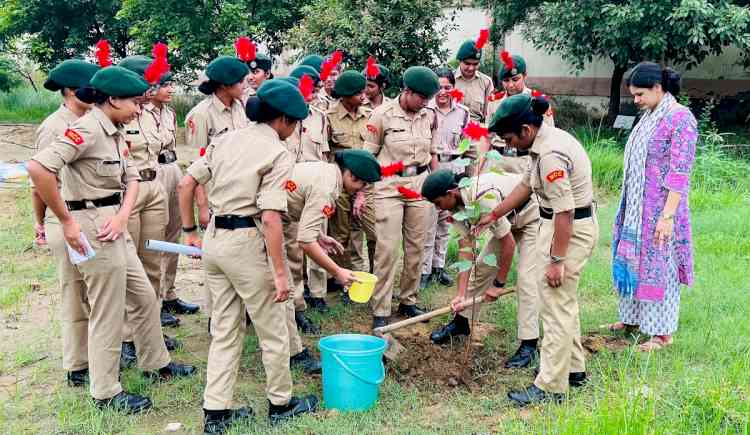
(31, 81)
(614, 93)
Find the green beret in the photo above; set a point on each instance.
(468, 50)
(510, 108)
(306, 69)
(227, 70)
(349, 83)
(382, 78)
(138, 65)
(362, 164)
(262, 61)
(293, 80)
(422, 80)
(438, 184)
(519, 67)
(117, 81)
(313, 60)
(284, 97)
(71, 73)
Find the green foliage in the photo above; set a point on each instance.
(398, 33)
(9, 79)
(23, 104)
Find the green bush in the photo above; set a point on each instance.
(24, 105)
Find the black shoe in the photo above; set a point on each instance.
(168, 320)
(532, 395)
(304, 324)
(345, 299)
(295, 407)
(441, 276)
(379, 322)
(575, 379)
(411, 311)
(319, 304)
(217, 422)
(171, 370)
(171, 343)
(125, 402)
(458, 326)
(178, 306)
(306, 362)
(523, 357)
(334, 286)
(127, 355)
(424, 282)
(78, 378)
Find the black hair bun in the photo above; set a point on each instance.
(670, 81)
(208, 87)
(252, 108)
(87, 94)
(539, 105)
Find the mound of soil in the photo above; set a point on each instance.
(594, 343)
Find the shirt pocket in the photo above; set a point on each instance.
(109, 168)
(398, 136)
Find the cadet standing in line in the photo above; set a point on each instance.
(243, 253)
(378, 78)
(452, 117)
(66, 77)
(260, 71)
(219, 113)
(476, 86)
(512, 76)
(560, 176)
(321, 98)
(402, 135)
(443, 191)
(92, 211)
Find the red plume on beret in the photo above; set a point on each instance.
(337, 57)
(507, 60)
(484, 36)
(475, 131)
(102, 53)
(330, 64)
(306, 86)
(245, 49)
(372, 68)
(159, 66)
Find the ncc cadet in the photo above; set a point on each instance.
(560, 176)
(441, 188)
(91, 208)
(219, 113)
(311, 200)
(243, 253)
(347, 119)
(376, 84)
(321, 100)
(452, 117)
(512, 77)
(260, 71)
(401, 134)
(66, 77)
(309, 143)
(476, 86)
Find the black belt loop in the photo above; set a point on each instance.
(233, 222)
(101, 202)
(579, 213)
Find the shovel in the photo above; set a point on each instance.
(394, 348)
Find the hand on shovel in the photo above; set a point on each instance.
(457, 304)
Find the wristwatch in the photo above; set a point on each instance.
(498, 284)
(189, 229)
(554, 259)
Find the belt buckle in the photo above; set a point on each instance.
(410, 171)
(88, 204)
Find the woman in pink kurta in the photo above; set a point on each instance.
(652, 243)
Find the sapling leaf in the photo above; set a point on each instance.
(493, 155)
(490, 260)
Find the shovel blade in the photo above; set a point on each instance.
(393, 348)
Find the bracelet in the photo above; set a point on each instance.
(555, 259)
(498, 284)
(189, 229)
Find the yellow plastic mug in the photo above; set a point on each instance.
(362, 291)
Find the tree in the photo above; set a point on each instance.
(8, 77)
(398, 33)
(673, 32)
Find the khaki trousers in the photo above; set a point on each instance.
(148, 220)
(75, 304)
(238, 274)
(114, 279)
(562, 352)
(340, 228)
(363, 236)
(436, 242)
(296, 261)
(317, 279)
(398, 219)
(169, 176)
(527, 293)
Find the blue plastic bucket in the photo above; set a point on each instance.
(352, 370)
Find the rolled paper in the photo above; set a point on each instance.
(173, 248)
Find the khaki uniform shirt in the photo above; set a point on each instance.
(210, 118)
(309, 141)
(322, 100)
(149, 134)
(492, 107)
(93, 154)
(248, 175)
(312, 192)
(347, 131)
(476, 93)
(53, 127)
(246, 94)
(560, 171)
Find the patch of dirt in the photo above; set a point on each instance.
(17, 142)
(594, 343)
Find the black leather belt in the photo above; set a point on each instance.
(167, 156)
(407, 172)
(520, 208)
(521, 153)
(147, 174)
(579, 213)
(102, 202)
(233, 222)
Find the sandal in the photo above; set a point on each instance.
(655, 343)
